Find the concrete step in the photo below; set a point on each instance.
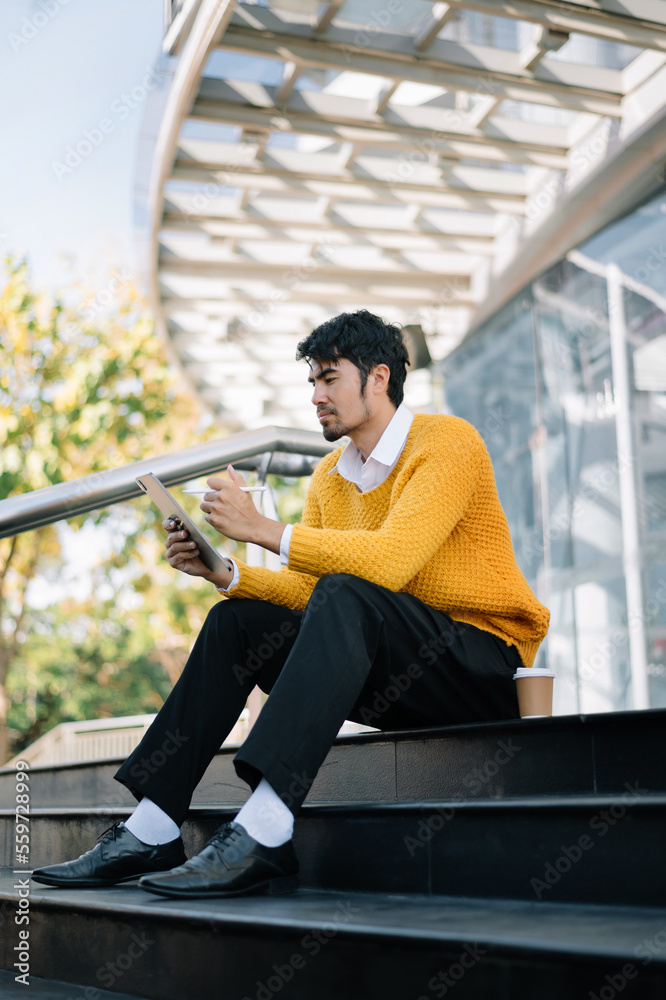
(600, 849)
(51, 989)
(565, 755)
(330, 945)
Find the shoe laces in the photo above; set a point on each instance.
(223, 835)
(111, 833)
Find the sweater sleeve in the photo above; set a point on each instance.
(430, 497)
(284, 587)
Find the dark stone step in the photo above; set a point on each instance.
(50, 989)
(601, 849)
(565, 755)
(329, 945)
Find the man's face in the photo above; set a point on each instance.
(341, 407)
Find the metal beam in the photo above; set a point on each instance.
(345, 184)
(482, 60)
(322, 273)
(546, 41)
(467, 201)
(180, 27)
(238, 301)
(603, 195)
(292, 71)
(516, 138)
(644, 32)
(449, 75)
(440, 15)
(256, 228)
(324, 15)
(384, 97)
(455, 148)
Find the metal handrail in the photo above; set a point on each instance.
(103, 489)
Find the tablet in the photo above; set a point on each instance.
(170, 507)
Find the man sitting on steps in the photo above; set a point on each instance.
(399, 604)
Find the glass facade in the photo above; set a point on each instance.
(567, 385)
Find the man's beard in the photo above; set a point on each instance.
(333, 432)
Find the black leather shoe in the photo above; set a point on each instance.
(117, 857)
(231, 864)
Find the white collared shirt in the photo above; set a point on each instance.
(366, 475)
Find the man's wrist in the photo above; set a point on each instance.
(270, 534)
(222, 580)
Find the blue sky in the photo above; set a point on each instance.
(64, 66)
(82, 58)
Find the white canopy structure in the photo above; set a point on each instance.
(422, 160)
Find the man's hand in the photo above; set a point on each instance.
(229, 510)
(182, 553)
(233, 513)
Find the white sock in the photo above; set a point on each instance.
(151, 825)
(266, 817)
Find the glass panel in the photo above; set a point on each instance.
(470, 26)
(550, 426)
(504, 412)
(224, 64)
(588, 51)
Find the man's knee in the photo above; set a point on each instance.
(339, 586)
(225, 612)
(219, 612)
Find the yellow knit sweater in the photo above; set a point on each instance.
(435, 528)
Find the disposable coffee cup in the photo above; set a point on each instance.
(535, 695)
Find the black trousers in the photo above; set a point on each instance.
(358, 652)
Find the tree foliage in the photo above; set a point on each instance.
(81, 390)
(102, 658)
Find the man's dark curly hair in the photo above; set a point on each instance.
(366, 341)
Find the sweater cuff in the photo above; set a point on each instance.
(305, 551)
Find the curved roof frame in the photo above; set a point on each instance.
(423, 160)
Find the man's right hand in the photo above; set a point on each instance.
(181, 552)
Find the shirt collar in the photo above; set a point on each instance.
(387, 450)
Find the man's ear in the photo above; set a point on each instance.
(379, 378)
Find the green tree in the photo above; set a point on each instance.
(81, 390)
(102, 658)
